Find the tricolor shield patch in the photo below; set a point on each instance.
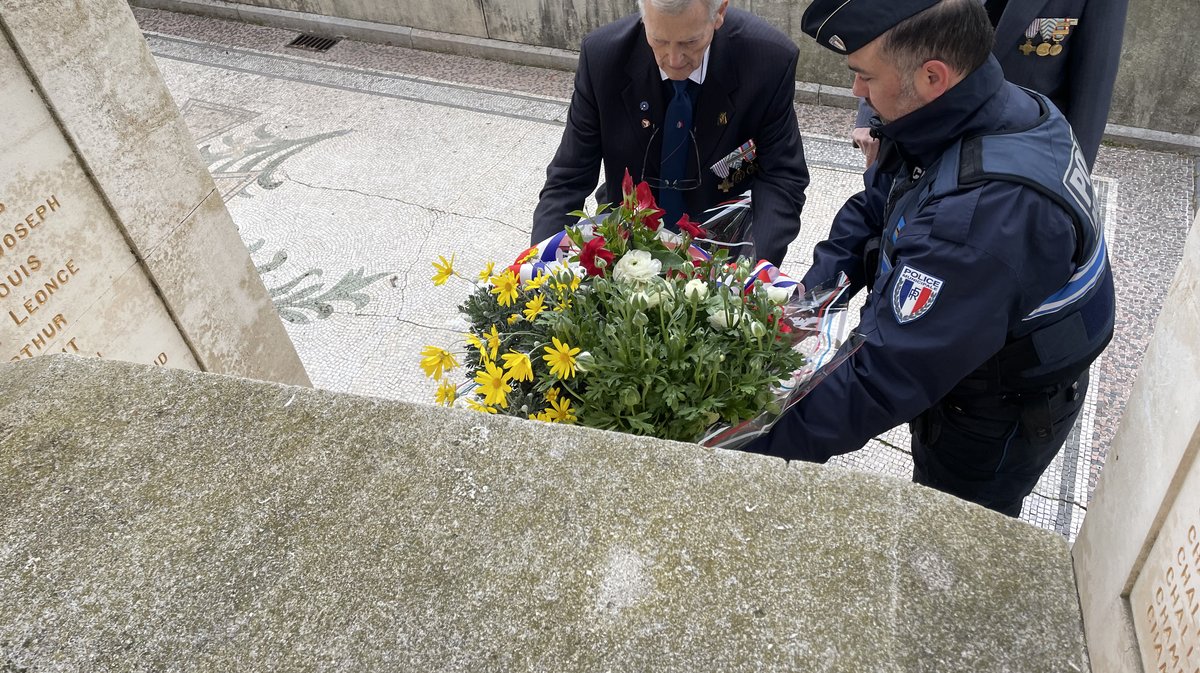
(914, 294)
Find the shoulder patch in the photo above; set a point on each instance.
(913, 294)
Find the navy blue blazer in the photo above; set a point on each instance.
(619, 104)
(1080, 78)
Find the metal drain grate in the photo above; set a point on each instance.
(313, 42)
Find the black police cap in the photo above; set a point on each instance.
(845, 26)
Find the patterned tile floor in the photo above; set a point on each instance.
(348, 172)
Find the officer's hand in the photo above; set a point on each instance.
(864, 141)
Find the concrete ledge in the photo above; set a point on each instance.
(808, 93)
(166, 519)
(1149, 139)
(836, 96)
(496, 50)
(370, 31)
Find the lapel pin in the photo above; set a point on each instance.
(645, 123)
(722, 119)
(644, 106)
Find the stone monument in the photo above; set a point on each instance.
(1138, 554)
(113, 239)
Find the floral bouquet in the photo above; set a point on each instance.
(619, 324)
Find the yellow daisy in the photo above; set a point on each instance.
(530, 255)
(493, 342)
(445, 269)
(561, 359)
(493, 386)
(474, 404)
(435, 360)
(447, 392)
(534, 307)
(560, 412)
(518, 366)
(552, 394)
(536, 283)
(504, 286)
(514, 318)
(486, 274)
(476, 341)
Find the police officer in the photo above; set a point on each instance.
(978, 242)
(1066, 49)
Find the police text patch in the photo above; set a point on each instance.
(913, 294)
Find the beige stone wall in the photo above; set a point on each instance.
(113, 238)
(1158, 86)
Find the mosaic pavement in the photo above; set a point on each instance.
(349, 172)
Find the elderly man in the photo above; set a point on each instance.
(978, 240)
(694, 98)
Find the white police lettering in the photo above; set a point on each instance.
(1078, 181)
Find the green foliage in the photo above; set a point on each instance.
(667, 344)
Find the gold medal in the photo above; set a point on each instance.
(1043, 49)
(1026, 48)
(1056, 50)
(725, 186)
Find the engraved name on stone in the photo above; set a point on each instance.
(1166, 595)
(32, 281)
(28, 283)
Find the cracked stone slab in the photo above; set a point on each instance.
(160, 518)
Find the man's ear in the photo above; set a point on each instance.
(934, 78)
(720, 18)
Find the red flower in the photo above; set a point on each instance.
(593, 250)
(785, 325)
(627, 184)
(645, 201)
(645, 198)
(654, 219)
(693, 229)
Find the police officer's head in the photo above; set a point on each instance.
(680, 30)
(904, 53)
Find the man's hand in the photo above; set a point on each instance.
(864, 141)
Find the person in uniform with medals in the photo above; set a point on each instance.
(977, 239)
(1068, 50)
(694, 98)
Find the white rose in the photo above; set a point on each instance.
(695, 289)
(636, 266)
(723, 320)
(779, 295)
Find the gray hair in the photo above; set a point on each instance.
(674, 7)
